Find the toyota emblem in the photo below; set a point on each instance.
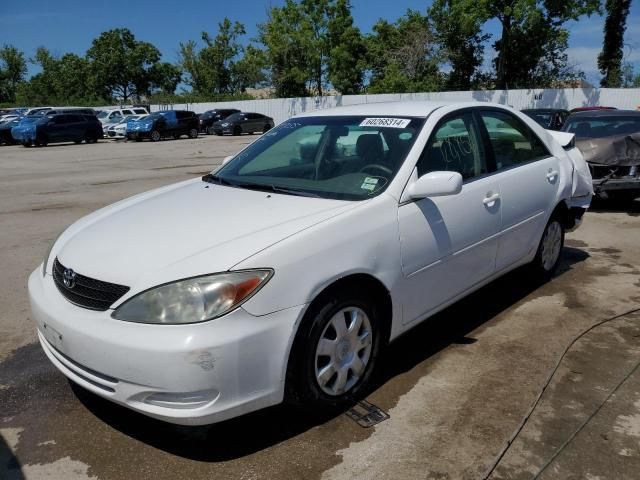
(69, 278)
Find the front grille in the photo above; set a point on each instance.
(87, 292)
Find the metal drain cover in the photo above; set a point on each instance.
(366, 414)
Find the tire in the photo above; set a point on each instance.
(155, 136)
(193, 133)
(177, 136)
(237, 130)
(266, 128)
(210, 131)
(329, 368)
(547, 258)
(77, 142)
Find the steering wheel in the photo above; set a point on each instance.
(377, 167)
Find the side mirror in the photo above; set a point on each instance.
(436, 184)
(226, 159)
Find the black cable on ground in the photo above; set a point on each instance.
(520, 427)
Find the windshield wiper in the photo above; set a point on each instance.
(264, 187)
(211, 178)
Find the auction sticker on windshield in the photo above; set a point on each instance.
(386, 122)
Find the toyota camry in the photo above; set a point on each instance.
(284, 273)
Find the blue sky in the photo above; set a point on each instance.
(70, 25)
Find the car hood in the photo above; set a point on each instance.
(621, 150)
(193, 228)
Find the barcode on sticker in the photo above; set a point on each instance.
(386, 122)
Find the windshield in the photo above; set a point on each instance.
(599, 127)
(345, 158)
(103, 114)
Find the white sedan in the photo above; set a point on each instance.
(283, 274)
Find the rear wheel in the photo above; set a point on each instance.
(193, 133)
(335, 351)
(155, 136)
(547, 257)
(77, 142)
(177, 136)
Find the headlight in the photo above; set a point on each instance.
(46, 256)
(225, 124)
(194, 299)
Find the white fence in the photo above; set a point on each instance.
(280, 109)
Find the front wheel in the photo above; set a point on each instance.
(547, 257)
(155, 136)
(335, 351)
(193, 133)
(237, 130)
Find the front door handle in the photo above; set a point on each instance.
(552, 174)
(491, 198)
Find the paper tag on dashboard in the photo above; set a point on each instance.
(386, 122)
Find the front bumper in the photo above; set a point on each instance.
(116, 134)
(185, 374)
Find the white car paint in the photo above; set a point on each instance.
(427, 252)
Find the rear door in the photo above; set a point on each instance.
(529, 181)
(448, 244)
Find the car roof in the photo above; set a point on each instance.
(535, 110)
(413, 108)
(605, 113)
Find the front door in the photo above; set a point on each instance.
(449, 244)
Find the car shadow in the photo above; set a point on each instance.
(10, 467)
(259, 430)
(628, 206)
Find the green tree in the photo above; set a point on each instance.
(610, 58)
(121, 65)
(13, 68)
(347, 50)
(287, 49)
(529, 32)
(67, 80)
(630, 79)
(249, 71)
(405, 56)
(211, 69)
(164, 77)
(457, 25)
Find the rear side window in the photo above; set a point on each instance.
(456, 147)
(139, 111)
(512, 141)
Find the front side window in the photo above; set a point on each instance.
(455, 146)
(348, 158)
(512, 141)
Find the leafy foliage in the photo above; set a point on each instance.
(13, 68)
(405, 56)
(610, 58)
(122, 67)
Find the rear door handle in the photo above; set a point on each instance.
(491, 198)
(552, 174)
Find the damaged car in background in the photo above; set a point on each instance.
(610, 143)
(283, 274)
